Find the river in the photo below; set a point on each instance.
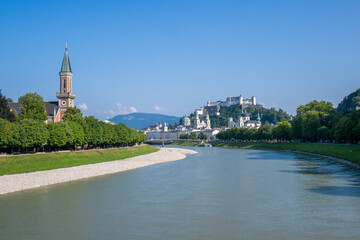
(215, 194)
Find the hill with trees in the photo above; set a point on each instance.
(350, 102)
(314, 121)
(271, 115)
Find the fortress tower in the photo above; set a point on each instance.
(65, 96)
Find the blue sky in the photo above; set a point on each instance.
(171, 57)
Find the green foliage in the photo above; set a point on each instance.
(311, 117)
(73, 114)
(9, 134)
(184, 136)
(5, 112)
(350, 102)
(189, 144)
(310, 122)
(347, 127)
(282, 131)
(59, 135)
(265, 132)
(202, 136)
(32, 133)
(78, 134)
(321, 107)
(32, 106)
(271, 115)
(192, 135)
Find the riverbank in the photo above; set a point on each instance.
(19, 182)
(48, 161)
(349, 153)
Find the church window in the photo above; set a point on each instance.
(64, 83)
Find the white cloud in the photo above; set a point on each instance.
(120, 109)
(132, 109)
(83, 106)
(159, 109)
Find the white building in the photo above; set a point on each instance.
(162, 132)
(244, 121)
(234, 101)
(202, 124)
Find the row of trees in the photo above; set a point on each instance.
(192, 135)
(315, 121)
(28, 130)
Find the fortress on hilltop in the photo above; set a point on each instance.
(214, 107)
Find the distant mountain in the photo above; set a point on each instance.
(143, 120)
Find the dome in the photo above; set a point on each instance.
(186, 119)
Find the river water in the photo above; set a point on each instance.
(216, 194)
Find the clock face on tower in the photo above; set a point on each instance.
(63, 103)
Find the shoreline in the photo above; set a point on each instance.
(24, 181)
(347, 162)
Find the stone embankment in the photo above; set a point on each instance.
(19, 182)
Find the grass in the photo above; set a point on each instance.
(191, 144)
(48, 161)
(346, 152)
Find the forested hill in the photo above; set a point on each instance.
(350, 102)
(271, 115)
(143, 120)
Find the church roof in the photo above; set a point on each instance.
(65, 67)
(49, 107)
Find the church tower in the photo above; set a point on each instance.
(65, 96)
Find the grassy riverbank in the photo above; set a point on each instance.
(48, 161)
(191, 144)
(346, 152)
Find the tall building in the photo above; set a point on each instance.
(65, 96)
(55, 110)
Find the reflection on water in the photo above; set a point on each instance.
(216, 194)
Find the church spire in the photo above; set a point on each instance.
(65, 67)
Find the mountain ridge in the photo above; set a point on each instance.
(142, 120)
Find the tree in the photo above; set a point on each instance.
(356, 132)
(202, 136)
(78, 135)
(9, 135)
(310, 122)
(192, 135)
(323, 133)
(58, 135)
(346, 127)
(5, 112)
(264, 132)
(93, 131)
(282, 130)
(32, 106)
(73, 114)
(184, 136)
(32, 134)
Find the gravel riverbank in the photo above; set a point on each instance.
(19, 182)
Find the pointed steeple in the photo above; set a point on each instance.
(65, 67)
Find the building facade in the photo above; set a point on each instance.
(159, 131)
(244, 121)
